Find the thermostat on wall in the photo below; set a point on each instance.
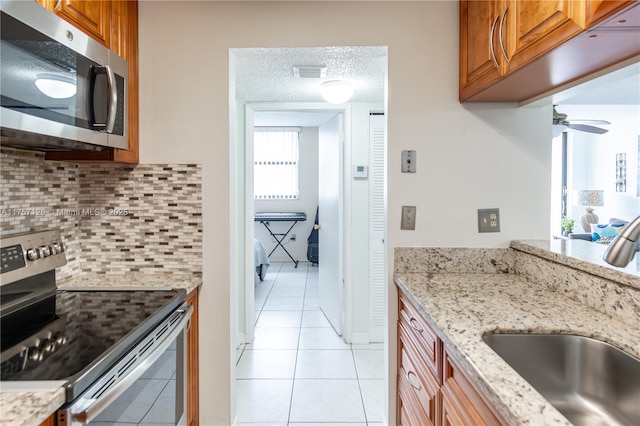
(360, 172)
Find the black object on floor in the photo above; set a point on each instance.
(312, 241)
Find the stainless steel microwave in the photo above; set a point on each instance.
(60, 90)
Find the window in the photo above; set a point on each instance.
(275, 170)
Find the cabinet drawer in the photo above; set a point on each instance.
(418, 380)
(462, 401)
(410, 411)
(417, 387)
(422, 336)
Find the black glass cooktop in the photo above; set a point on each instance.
(72, 334)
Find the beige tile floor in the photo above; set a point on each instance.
(298, 371)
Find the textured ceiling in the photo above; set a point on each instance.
(621, 87)
(292, 118)
(266, 74)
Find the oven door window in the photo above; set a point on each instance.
(157, 397)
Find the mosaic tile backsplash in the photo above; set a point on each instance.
(114, 218)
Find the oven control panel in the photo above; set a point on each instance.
(29, 254)
(11, 258)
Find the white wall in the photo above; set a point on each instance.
(307, 203)
(593, 159)
(469, 156)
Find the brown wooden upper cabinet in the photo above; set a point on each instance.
(479, 66)
(512, 50)
(93, 17)
(114, 23)
(533, 28)
(597, 10)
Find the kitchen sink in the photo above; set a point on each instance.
(590, 382)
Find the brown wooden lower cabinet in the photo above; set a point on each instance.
(422, 399)
(450, 413)
(50, 421)
(193, 394)
(465, 401)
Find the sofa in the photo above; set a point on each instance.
(603, 233)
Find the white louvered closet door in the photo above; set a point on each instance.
(377, 223)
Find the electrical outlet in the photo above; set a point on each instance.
(408, 218)
(488, 220)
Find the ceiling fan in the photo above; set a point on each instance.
(560, 124)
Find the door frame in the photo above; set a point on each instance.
(308, 107)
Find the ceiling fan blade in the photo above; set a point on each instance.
(591, 121)
(589, 129)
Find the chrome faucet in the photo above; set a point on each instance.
(624, 246)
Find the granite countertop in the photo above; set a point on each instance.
(131, 281)
(463, 307)
(583, 255)
(19, 407)
(28, 408)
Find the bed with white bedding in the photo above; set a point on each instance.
(261, 259)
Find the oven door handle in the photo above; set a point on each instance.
(87, 408)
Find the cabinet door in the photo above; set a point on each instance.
(193, 394)
(597, 10)
(92, 16)
(124, 42)
(480, 65)
(461, 400)
(533, 28)
(450, 415)
(50, 421)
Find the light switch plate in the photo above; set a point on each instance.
(488, 220)
(408, 218)
(409, 159)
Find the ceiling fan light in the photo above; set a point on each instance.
(557, 129)
(336, 91)
(56, 86)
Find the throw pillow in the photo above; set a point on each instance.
(605, 230)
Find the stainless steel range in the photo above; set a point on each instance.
(105, 347)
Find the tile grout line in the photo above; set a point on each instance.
(295, 365)
(355, 366)
(298, 348)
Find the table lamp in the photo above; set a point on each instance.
(589, 198)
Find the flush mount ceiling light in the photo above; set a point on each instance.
(56, 86)
(336, 91)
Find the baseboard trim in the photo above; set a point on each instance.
(360, 338)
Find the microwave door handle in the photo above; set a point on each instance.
(85, 410)
(113, 100)
(94, 71)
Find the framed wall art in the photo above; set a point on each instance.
(621, 172)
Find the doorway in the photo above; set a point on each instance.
(296, 355)
(329, 123)
(354, 281)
